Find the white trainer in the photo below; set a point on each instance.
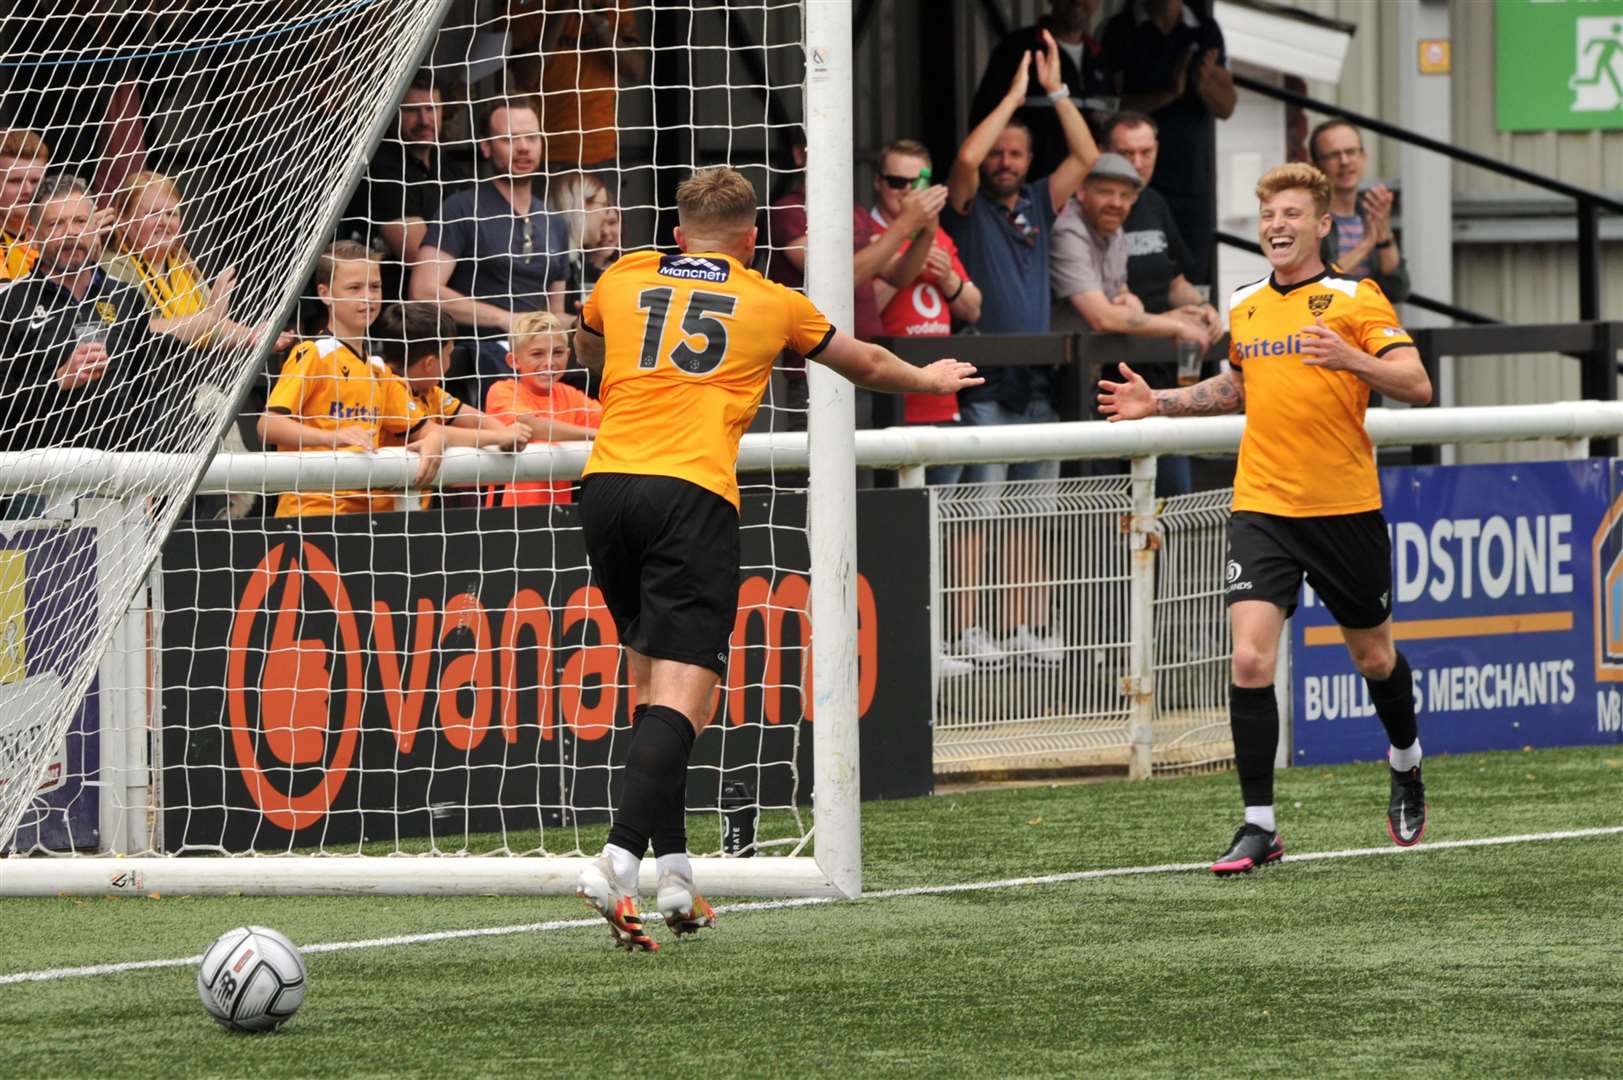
(684, 910)
(980, 649)
(1037, 646)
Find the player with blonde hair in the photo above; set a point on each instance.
(685, 343)
(1308, 347)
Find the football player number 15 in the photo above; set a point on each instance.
(699, 320)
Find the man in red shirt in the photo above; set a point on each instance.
(920, 291)
(926, 286)
(875, 264)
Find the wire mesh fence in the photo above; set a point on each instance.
(1032, 601)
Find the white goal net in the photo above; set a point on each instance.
(254, 227)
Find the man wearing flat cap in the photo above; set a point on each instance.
(1089, 262)
(1088, 269)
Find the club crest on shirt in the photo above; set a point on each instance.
(693, 268)
(1320, 303)
(106, 312)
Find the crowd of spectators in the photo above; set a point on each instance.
(442, 312)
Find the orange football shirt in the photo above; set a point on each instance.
(17, 256)
(1305, 452)
(325, 385)
(690, 345)
(511, 398)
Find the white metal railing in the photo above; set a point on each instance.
(905, 448)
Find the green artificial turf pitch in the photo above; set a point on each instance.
(1483, 961)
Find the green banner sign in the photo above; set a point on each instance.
(1559, 64)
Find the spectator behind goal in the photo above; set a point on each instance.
(592, 223)
(1082, 70)
(496, 251)
(575, 58)
(1170, 62)
(1360, 241)
(151, 253)
(332, 396)
(24, 157)
(415, 341)
(551, 410)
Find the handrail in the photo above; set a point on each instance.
(117, 475)
(1425, 142)
(1427, 303)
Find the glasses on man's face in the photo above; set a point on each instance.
(1349, 154)
(897, 183)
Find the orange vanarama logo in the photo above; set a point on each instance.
(292, 724)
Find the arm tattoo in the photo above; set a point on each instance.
(1220, 394)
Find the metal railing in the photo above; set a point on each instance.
(1080, 358)
(1126, 677)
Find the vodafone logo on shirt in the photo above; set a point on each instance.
(929, 315)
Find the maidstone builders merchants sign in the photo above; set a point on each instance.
(409, 675)
(1508, 603)
(1559, 64)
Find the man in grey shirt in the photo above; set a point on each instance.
(1088, 266)
(1088, 269)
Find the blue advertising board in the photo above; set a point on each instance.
(1508, 603)
(48, 611)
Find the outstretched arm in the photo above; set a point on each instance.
(877, 368)
(1133, 399)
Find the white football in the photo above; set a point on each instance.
(252, 979)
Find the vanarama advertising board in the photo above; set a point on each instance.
(411, 675)
(1508, 602)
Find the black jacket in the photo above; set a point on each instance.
(142, 401)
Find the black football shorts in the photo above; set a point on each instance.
(664, 552)
(1347, 558)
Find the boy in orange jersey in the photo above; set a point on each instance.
(686, 344)
(24, 157)
(552, 410)
(1308, 346)
(332, 396)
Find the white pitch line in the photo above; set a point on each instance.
(52, 974)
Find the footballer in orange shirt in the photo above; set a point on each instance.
(685, 343)
(1308, 347)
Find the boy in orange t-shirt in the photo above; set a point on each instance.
(552, 410)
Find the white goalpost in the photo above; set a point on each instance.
(426, 699)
